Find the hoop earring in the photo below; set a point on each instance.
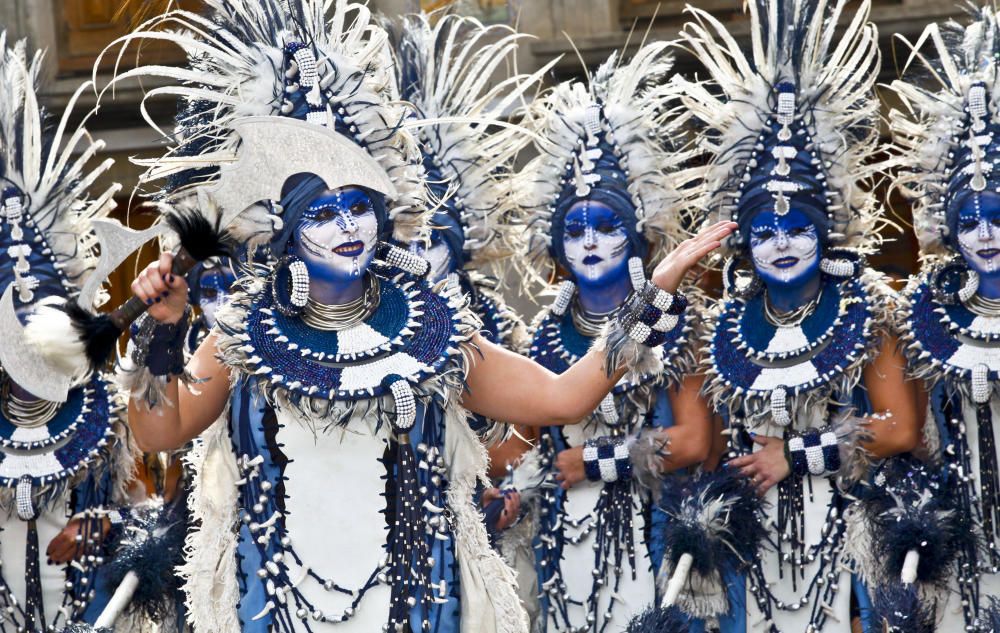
(954, 282)
(736, 290)
(292, 277)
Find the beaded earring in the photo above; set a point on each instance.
(290, 275)
(403, 259)
(841, 263)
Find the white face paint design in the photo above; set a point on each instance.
(439, 256)
(979, 232)
(784, 249)
(595, 242)
(337, 235)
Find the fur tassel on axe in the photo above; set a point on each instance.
(74, 332)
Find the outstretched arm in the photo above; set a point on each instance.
(505, 386)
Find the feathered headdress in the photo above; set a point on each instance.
(791, 122)
(613, 135)
(47, 247)
(948, 136)
(445, 72)
(324, 61)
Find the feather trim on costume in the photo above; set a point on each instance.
(880, 304)
(210, 569)
(647, 452)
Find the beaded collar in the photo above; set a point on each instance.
(947, 340)
(749, 357)
(78, 437)
(415, 333)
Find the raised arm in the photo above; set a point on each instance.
(505, 386)
(188, 409)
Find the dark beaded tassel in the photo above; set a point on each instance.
(409, 561)
(613, 541)
(988, 476)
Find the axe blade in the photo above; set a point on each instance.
(23, 362)
(117, 243)
(275, 148)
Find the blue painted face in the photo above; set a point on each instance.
(214, 284)
(785, 249)
(596, 244)
(979, 232)
(337, 235)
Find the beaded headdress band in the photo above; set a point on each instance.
(793, 122)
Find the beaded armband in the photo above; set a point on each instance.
(607, 459)
(159, 347)
(646, 320)
(814, 452)
(118, 518)
(650, 313)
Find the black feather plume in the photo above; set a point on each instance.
(151, 547)
(97, 331)
(200, 237)
(899, 609)
(909, 508)
(715, 518)
(657, 620)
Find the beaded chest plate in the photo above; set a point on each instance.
(412, 334)
(67, 444)
(949, 339)
(752, 356)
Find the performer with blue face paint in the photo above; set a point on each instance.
(802, 366)
(209, 284)
(602, 197)
(64, 466)
(950, 142)
(337, 495)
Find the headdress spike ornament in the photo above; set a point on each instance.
(322, 61)
(451, 70)
(618, 132)
(793, 123)
(948, 135)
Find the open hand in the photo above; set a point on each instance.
(166, 294)
(766, 467)
(569, 464)
(671, 270)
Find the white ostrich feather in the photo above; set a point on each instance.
(446, 71)
(53, 172)
(932, 122)
(834, 77)
(237, 64)
(639, 111)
